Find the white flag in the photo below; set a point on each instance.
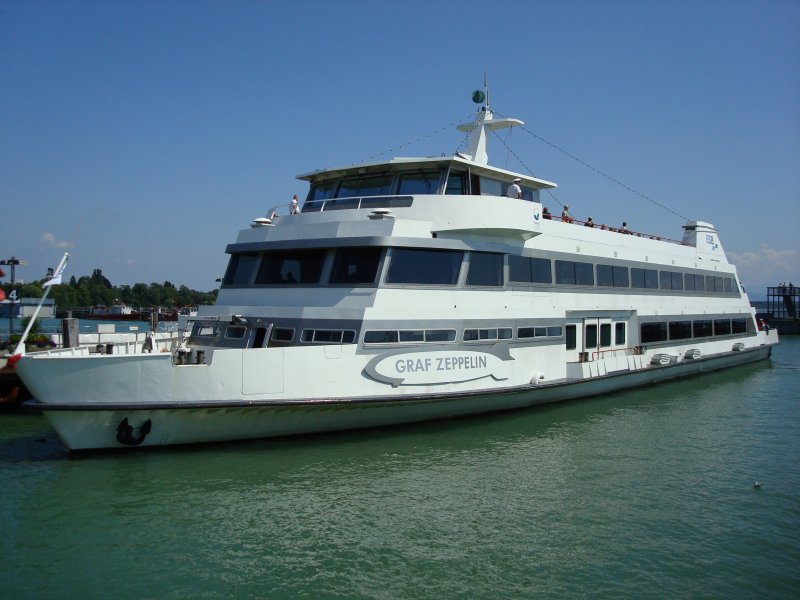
(60, 271)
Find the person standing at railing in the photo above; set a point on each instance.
(514, 191)
(565, 216)
(295, 210)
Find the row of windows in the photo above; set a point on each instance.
(688, 329)
(414, 266)
(449, 335)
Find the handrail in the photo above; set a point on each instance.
(604, 227)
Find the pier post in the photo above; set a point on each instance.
(69, 333)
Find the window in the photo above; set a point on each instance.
(680, 330)
(677, 281)
(713, 284)
(485, 269)
(605, 335)
(423, 182)
(738, 325)
(665, 280)
(612, 276)
(653, 332)
(328, 336)
(727, 284)
(554, 331)
(492, 187)
(455, 184)
(591, 336)
(321, 191)
(644, 278)
(241, 268)
(699, 283)
(356, 265)
(574, 273)
(291, 267)
(205, 330)
(722, 326)
(427, 336)
(529, 270)
(619, 334)
(235, 332)
(688, 280)
(424, 267)
(473, 335)
(529, 332)
(702, 329)
(282, 334)
(380, 337)
(376, 185)
(621, 278)
(571, 337)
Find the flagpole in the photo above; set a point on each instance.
(20, 349)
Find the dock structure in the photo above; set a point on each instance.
(781, 311)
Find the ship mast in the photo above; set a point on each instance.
(483, 124)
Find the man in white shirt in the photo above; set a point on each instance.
(514, 191)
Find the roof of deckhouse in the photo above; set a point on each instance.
(398, 164)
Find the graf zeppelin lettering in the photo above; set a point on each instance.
(440, 363)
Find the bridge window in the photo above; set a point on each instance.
(241, 269)
(423, 182)
(291, 267)
(424, 267)
(485, 269)
(377, 185)
(356, 265)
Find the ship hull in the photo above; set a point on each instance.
(84, 426)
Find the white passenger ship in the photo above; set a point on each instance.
(409, 290)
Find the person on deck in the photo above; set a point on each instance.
(514, 191)
(295, 210)
(589, 222)
(565, 216)
(546, 214)
(624, 228)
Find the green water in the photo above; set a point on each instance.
(645, 494)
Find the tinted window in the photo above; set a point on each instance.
(677, 281)
(591, 336)
(605, 335)
(651, 279)
(281, 334)
(423, 182)
(455, 184)
(234, 332)
(584, 273)
(727, 285)
(665, 280)
(565, 272)
(529, 270)
(416, 335)
(428, 267)
(739, 325)
(688, 280)
(291, 266)
(377, 185)
(621, 277)
(485, 269)
(570, 338)
(321, 191)
(241, 268)
(680, 330)
(702, 329)
(605, 275)
(440, 335)
(380, 337)
(722, 326)
(653, 332)
(356, 265)
(619, 334)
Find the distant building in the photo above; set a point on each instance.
(26, 307)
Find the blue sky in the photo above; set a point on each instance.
(143, 135)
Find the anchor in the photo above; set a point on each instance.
(125, 432)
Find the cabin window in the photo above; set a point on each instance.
(485, 269)
(619, 334)
(644, 278)
(440, 335)
(321, 191)
(235, 332)
(377, 185)
(282, 334)
(574, 273)
(356, 265)
(714, 284)
(291, 267)
(612, 276)
(722, 326)
(474, 335)
(529, 270)
(241, 268)
(529, 332)
(424, 267)
(492, 187)
(205, 330)
(653, 332)
(571, 337)
(680, 330)
(328, 336)
(605, 335)
(380, 337)
(688, 280)
(739, 325)
(455, 184)
(591, 336)
(422, 182)
(702, 329)
(727, 285)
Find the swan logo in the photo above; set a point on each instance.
(536, 217)
(711, 242)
